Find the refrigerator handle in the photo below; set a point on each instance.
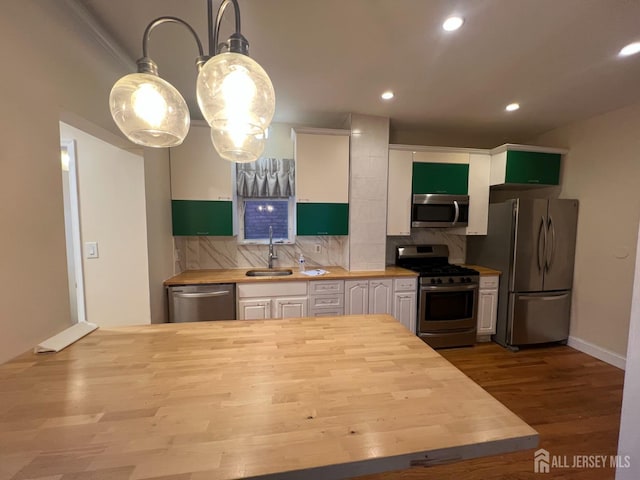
(549, 257)
(542, 234)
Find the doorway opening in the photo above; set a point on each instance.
(69, 171)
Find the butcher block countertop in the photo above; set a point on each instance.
(311, 398)
(238, 275)
(484, 270)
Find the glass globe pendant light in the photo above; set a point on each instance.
(237, 100)
(149, 110)
(235, 95)
(146, 108)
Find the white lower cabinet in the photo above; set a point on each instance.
(290, 307)
(368, 296)
(254, 309)
(487, 307)
(356, 297)
(405, 302)
(326, 298)
(319, 298)
(261, 301)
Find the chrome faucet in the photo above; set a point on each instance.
(272, 256)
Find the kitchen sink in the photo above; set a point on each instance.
(268, 273)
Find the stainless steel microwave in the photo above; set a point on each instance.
(440, 211)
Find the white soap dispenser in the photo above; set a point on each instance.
(301, 262)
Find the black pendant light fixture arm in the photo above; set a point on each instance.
(152, 112)
(146, 65)
(236, 42)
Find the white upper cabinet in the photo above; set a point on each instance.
(322, 165)
(440, 157)
(197, 171)
(479, 172)
(399, 192)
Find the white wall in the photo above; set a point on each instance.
(51, 65)
(112, 213)
(602, 170)
(629, 441)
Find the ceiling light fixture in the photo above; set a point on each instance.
(512, 107)
(235, 95)
(630, 49)
(452, 23)
(388, 95)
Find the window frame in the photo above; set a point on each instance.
(291, 227)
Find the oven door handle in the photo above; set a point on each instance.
(457, 207)
(456, 288)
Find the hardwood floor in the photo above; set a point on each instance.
(570, 398)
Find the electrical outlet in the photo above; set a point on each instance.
(318, 248)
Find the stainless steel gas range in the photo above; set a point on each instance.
(447, 295)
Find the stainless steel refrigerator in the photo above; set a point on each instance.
(532, 242)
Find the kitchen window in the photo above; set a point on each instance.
(265, 198)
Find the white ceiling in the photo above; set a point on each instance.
(327, 58)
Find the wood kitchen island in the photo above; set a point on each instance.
(312, 398)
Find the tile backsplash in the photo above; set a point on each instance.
(457, 243)
(195, 253)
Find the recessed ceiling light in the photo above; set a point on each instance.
(512, 107)
(388, 95)
(452, 23)
(630, 49)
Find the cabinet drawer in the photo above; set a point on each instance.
(489, 282)
(321, 287)
(268, 289)
(326, 312)
(405, 285)
(324, 301)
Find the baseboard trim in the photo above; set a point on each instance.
(598, 352)
(65, 338)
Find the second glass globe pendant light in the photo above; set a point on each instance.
(235, 96)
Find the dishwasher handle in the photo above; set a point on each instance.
(202, 294)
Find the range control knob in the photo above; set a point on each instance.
(433, 280)
(450, 280)
(463, 280)
(439, 280)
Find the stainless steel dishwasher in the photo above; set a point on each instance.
(200, 303)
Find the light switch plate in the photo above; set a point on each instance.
(91, 249)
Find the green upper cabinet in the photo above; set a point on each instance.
(201, 187)
(202, 218)
(322, 218)
(322, 181)
(520, 165)
(440, 178)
